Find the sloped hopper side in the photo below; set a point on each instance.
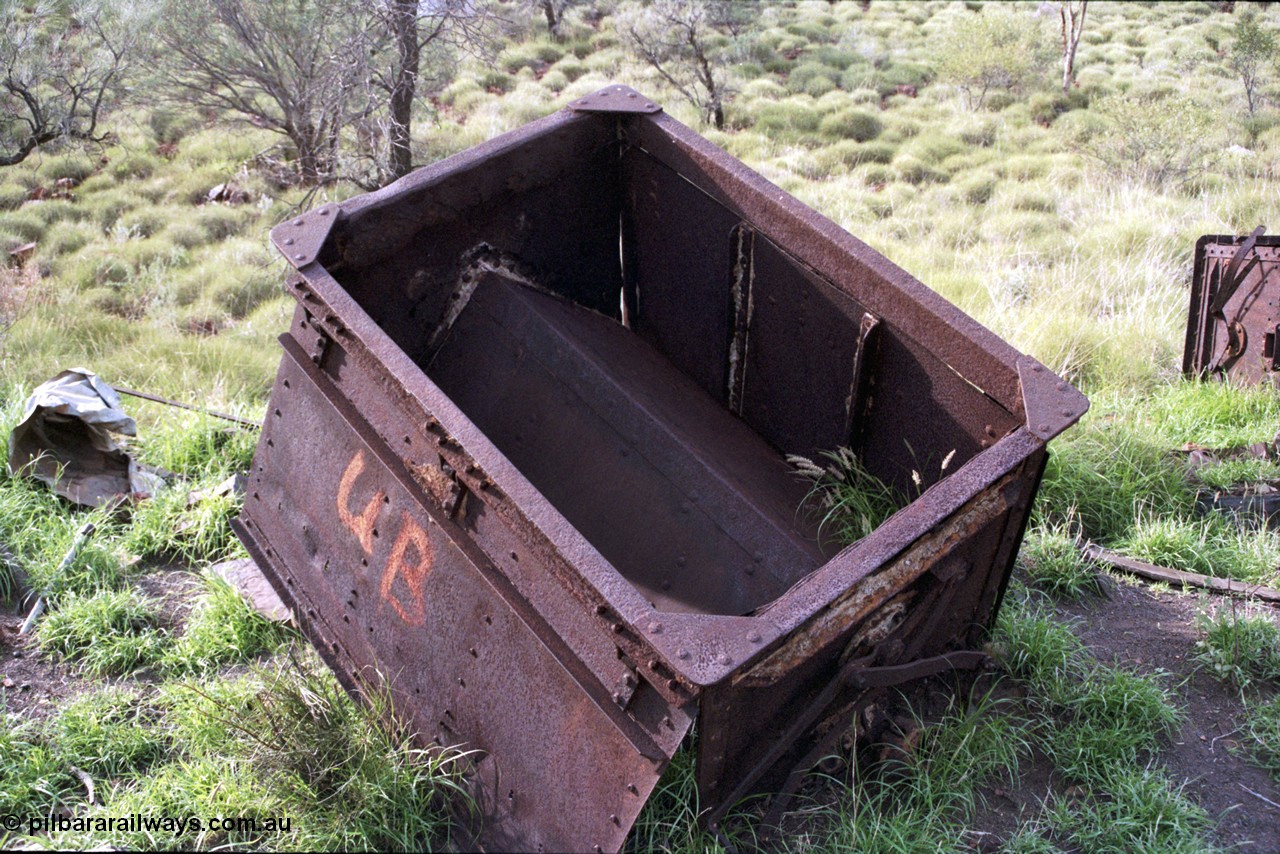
(525, 466)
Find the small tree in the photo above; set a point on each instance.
(553, 11)
(416, 30)
(1072, 15)
(688, 42)
(297, 68)
(1154, 138)
(1254, 48)
(62, 68)
(991, 50)
(319, 72)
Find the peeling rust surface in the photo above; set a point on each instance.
(524, 467)
(1233, 324)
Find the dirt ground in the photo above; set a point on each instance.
(1154, 631)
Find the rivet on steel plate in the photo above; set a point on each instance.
(1067, 413)
(754, 637)
(648, 105)
(602, 609)
(1037, 368)
(299, 256)
(682, 654)
(288, 241)
(299, 222)
(614, 819)
(631, 787)
(724, 660)
(618, 627)
(323, 212)
(1062, 386)
(655, 628)
(619, 699)
(1044, 427)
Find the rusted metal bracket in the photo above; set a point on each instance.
(301, 238)
(615, 99)
(1051, 403)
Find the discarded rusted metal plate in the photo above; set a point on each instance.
(1234, 319)
(524, 467)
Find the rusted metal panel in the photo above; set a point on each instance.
(1234, 320)
(674, 492)
(419, 616)
(569, 364)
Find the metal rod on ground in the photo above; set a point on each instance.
(1177, 576)
(243, 422)
(82, 536)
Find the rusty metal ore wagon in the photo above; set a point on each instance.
(523, 467)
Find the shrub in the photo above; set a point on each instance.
(977, 188)
(11, 196)
(977, 130)
(789, 115)
(23, 223)
(811, 78)
(67, 237)
(1154, 138)
(170, 125)
(74, 166)
(133, 165)
(496, 81)
(913, 170)
(857, 125)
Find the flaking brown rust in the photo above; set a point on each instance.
(870, 594)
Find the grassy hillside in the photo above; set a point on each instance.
(1065, 223)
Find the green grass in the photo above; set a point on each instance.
(110, 733)
(1100, 725)
(33, 776)
(1263, 726)
(921, 798)
(222, 629)
(109, 633)
(1052, 561)
(669, 821)
(1238, 644)
(1236, 473)
(848, 501)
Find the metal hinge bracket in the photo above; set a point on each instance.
(300, 239)
(615, 99)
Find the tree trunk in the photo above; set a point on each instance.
(553, 22)
(1072, 28)
(404, 22)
